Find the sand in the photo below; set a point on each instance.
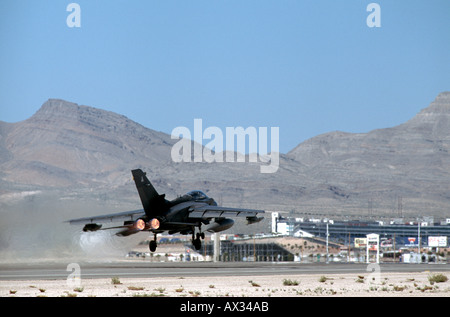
(334, 285)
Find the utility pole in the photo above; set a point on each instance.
(393, 243)
(418, 236)
(327, 240)
(216, 256)
(254, 249)
(348, 250)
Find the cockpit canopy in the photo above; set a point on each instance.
(197, 195)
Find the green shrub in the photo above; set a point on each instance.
(437, 278)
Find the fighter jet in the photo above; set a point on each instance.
(181, 215)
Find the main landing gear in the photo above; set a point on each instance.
(197, 242)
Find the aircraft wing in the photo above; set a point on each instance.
(120, 216)
(208, 212)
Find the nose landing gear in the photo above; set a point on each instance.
(152, 245)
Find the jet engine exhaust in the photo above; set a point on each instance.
(154, 224)
(139, 224)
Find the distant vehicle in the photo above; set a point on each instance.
(182, 214)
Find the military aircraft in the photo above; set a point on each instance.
(182, 214)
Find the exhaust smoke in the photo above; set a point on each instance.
(33, 229)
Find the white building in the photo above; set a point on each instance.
(281, 226)
(286, 226)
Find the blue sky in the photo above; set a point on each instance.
(307, 67)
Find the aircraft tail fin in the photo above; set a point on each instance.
(151, 200)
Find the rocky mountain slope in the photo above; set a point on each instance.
(84, 152)
(398, 169)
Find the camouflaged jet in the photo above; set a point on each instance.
(181, 215)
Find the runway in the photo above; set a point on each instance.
(136, 269)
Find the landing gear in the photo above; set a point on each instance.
(197, 242)
(152, 245)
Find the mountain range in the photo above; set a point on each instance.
(80, 153)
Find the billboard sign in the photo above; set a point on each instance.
(373, 241)
(410, 241)
(386, 243)
(360, 242)
(440, 241)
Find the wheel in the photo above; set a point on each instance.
(152, 245)
(197, 244)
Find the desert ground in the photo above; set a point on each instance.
(346, 285)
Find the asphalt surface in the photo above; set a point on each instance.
(136, 269)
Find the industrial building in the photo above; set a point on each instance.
(395, 232)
